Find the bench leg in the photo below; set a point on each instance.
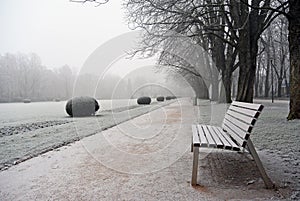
(195, 165)
(269, 184)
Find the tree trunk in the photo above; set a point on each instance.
(245, 83)
(247, 58)
(226, 88)
(257, 78)
(267, 84)
(225, 67)
(203, 91)
(214, 84)
(287, 87)
(279, 85)
(294, 46)
(248, 48)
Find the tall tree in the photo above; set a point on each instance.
(202, 21)
(252, 18)
(294, 46)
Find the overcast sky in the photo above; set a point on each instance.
(59, 31)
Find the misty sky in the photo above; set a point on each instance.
(59, 31)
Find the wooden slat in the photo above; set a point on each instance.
(228, 139)
(241, 117)
(252, 106)
(211, 142)
(240, 141)
(240, 124)
(238, 133)
(219, 143)
(234, 136)
(251, 113)
(225, 142)
(203, 140)
(196, 140)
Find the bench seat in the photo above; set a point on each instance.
(213, 137)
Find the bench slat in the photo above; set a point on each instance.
(240, 124)
(247, 112)
(223, 134)
(241, 117)
(203, 140)
(218, 141)
(196, 140)
(232, 132)
(211, 142)
(225, 142)
(257, 107)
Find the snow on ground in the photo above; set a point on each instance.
(279, 140)
(275, 138)
(25, 138)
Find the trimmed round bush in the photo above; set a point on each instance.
(170, 97)
(160, 98)
(144, 100)
(82, 106)
(27, 100)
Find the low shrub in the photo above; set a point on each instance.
(144, 100)
(170, 97)
(27, 100)
(160, 98)
(82, 106)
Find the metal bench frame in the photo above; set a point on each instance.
(233, 135)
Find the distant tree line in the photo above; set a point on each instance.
(22, 76)
(273, 69)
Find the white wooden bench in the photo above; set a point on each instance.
(233, 135)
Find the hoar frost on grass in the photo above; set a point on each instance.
(280, 140)
(22, 141)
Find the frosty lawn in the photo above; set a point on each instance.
(19, 142)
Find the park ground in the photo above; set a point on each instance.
(149, 158)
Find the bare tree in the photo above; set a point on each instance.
(280, 52)
(249, 19)
(96, 2)
(273, 56)
(202, 21)
(294, 47)
(23, 76)
(67, 80)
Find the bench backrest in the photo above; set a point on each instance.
(240, 119)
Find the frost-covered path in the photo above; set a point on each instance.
(148, 158)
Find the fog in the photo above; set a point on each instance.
(54, 50)
(24, 77)
(59, 31)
